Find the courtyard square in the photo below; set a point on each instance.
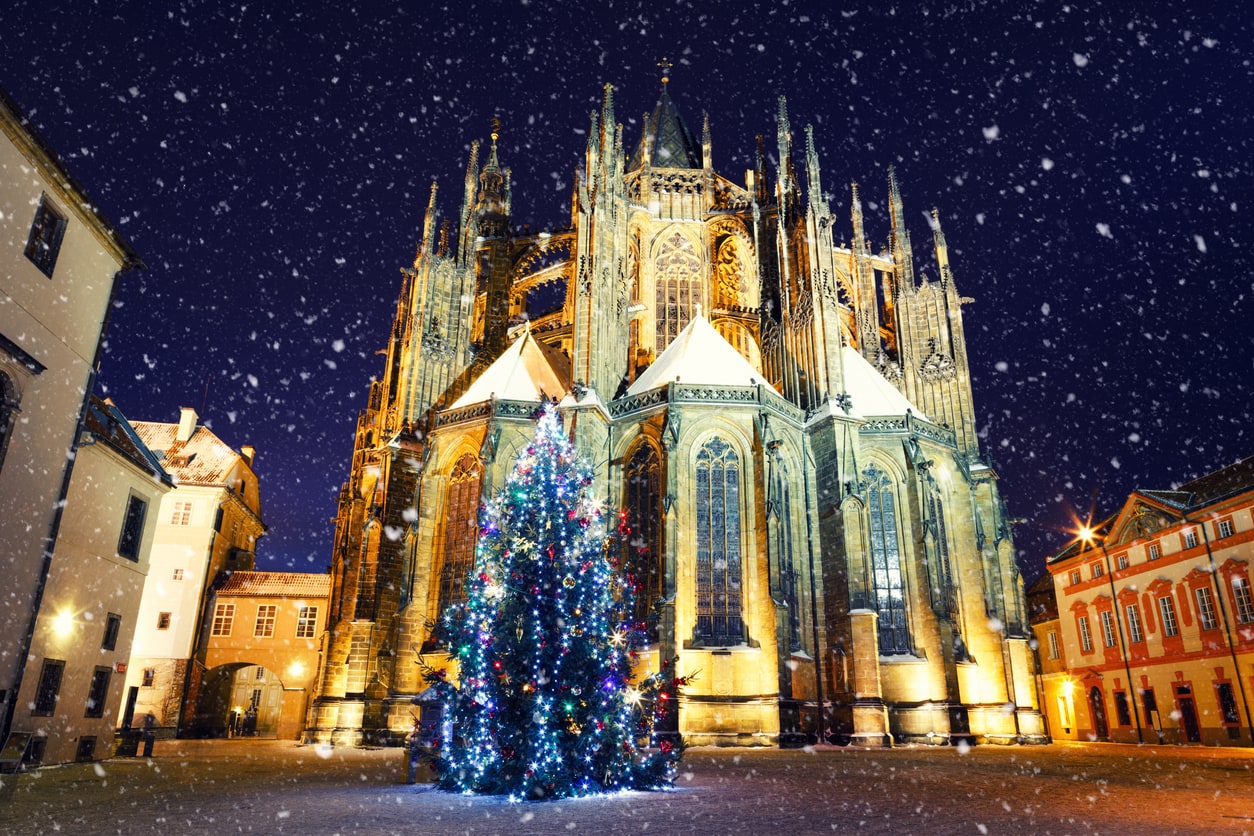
(281, 787)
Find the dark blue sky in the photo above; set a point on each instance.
(1092, 168)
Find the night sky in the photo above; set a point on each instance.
(1092, 167)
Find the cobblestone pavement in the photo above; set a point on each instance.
(280, 787)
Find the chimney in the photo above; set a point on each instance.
(248, 452)
(187, 424)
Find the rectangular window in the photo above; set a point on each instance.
(305, 622)
(178, 574)
(1190, 538)
(132, 528)
(1245, 606)
(1053, 645)
(1097, 570)
(223, 619)
(1122, 710)
(98, 693)
(1108, 629)
(46, 231)
(1086, 637)
(261, 673)
(1121, 561)
(1205, 608)
(150, 676)
(182, 514)
(1153, 551)
(163, 620)
(1224, 528)
(1168, 610)
(1135, 633)
(49, 688)
(1228, 704)
(1075, 577)
(265, 620)
(113, 626)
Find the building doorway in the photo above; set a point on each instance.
(1097, 707)
(1189, 728)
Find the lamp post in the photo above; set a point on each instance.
(1089, 535)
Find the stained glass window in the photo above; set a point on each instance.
(785, 554)
(677, 277)
(889, 589)
(718, 544)
(460, 529)
(642, 550)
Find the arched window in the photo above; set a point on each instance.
(677, 277)
(718, 544)
(936, 519)
(461, 511)
(889, 588)
(785, 551)
(642, 549)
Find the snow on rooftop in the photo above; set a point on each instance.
(526, 371)
(699, 355)
(870, 391)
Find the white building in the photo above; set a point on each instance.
(72, 697)
(207, 528)
(59, 263)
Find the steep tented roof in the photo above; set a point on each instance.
(671, 144)
(526, 371)
(871, 393)
(699, 355)
(277, 585)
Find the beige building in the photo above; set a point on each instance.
(60, 260)
(783, 411)
(261, 644)
(72, 699)
(1156, 621)
(206, 528)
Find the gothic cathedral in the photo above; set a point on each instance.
(785, 421)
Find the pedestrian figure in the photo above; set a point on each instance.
(150, 733)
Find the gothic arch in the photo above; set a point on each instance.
(458, 532)
(643, 552)
(677, 264)
(887, 556)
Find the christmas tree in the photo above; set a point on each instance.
(545, 706)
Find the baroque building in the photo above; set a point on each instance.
(785, 422)
(1151, 635)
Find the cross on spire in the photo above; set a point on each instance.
(665, 66)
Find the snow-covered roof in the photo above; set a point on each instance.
(526, 371)
(277, 585)
(204, 459)
(870, 391)
(699, 355)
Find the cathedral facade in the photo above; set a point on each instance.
(785, 423)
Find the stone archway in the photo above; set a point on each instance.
(238, 699)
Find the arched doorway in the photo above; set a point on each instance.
(238, 700)
(1190, 731)
(1097, 707)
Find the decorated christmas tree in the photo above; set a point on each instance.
(544, 706)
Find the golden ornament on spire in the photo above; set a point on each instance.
(496, 129)
(666, 69)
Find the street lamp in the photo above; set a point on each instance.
(1089, 535)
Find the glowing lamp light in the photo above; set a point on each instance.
(63, 623)
(296, 668)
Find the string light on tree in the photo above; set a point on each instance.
(545, 707)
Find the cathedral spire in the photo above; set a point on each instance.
(902, 252)
(428, 226)
(468, 203)
(814, 185)
(942, 249)
(666, 141)
(491, 211)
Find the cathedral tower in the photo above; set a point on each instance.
(784, 422)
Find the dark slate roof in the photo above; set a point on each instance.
(107, 423)
(671, 143)
(1041, 601)
(1233, 479)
